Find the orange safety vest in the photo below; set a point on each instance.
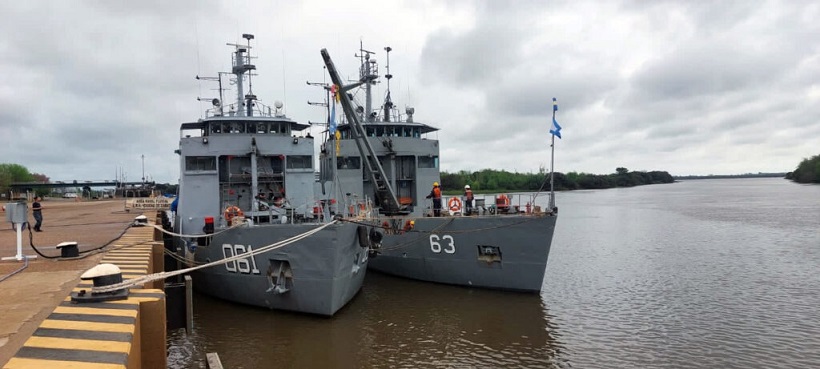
(469, 195)
(436, 192)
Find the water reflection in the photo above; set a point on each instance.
(392, 323)
(697, 274)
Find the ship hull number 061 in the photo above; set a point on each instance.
(244, 266)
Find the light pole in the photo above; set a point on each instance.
(143, 169)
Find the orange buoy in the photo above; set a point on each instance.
(231, 212)
(454, 204)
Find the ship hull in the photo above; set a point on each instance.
(496, 252)
(316, 275)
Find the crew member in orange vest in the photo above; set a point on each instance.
(468, 200)
(435, 194)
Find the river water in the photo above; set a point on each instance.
(694, 274)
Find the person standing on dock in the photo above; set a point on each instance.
(435, 194)
(36, 210)
(468, 200)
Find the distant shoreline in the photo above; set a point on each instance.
(731, 176)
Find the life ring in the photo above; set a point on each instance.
(233, 211)
(454, 204)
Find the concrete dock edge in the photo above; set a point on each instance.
(128, 334)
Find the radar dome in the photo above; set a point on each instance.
(278, 104)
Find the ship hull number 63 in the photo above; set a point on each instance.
(442, 243)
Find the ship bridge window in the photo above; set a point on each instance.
(238, 127)
(216, 127)
(428, 161)
(300, 162)
(371, 131)
(348, 162)
(262, 127)
(279, 128)
(199, 163)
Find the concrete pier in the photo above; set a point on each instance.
(126, 333)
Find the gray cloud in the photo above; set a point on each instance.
(689, 87)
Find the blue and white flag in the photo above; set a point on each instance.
(332, 125)
(556, 128)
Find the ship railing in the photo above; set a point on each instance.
(286, 212)
(359, 208)
(488, 205)
(231, 110)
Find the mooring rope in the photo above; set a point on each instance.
(163, 230)
(162, 275)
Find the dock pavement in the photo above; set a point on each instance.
(30, 296)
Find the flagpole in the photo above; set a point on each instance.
(552, 164)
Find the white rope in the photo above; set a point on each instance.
(195, 235)
(162, 275)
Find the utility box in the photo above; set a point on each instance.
(17, 212)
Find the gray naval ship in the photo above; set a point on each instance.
(382, 165)
(247, 182)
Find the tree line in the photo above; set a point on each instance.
(16, 173)
(11, 173)
(808, 171)
(489, 180)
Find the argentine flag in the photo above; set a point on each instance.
(556, 129)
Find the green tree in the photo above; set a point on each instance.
(808, 171)
(10, 173)
(488, 180)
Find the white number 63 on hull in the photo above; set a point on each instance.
(447, 240)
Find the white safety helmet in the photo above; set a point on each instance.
(466, 187)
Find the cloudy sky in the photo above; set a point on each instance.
(690, 87)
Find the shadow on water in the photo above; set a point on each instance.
(392, 322)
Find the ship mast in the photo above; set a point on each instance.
(388, 103)
(368, 73)
(241, 65)
(384, 192)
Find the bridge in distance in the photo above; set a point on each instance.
(23, 186)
